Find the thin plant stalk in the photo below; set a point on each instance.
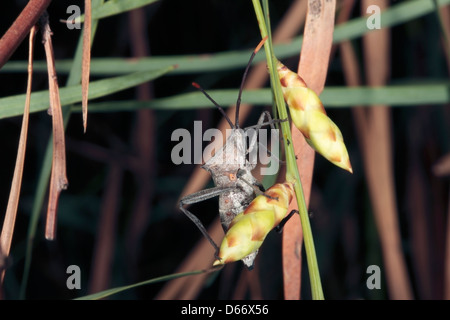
(292, 173)
(109, 292)
(86, 61)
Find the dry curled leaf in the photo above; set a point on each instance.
(58, 179)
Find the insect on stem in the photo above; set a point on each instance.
(234, 183)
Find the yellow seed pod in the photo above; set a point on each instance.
(309, 116)
(248, 229)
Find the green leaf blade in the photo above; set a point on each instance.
(13, 106)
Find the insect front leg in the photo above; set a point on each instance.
(198, 197)
(270, 121)
(253, 137)
(258, 126)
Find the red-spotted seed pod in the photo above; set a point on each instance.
(248, 229)
(309, 116)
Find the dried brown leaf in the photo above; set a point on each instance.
(58, 179)
(313, 66)
(86, 61)
(14, 195)
(375, 129)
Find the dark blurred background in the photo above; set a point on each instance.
(345, 231)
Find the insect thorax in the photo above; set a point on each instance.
(224, 167)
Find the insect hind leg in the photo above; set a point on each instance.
(201, 227)
(279, 228)
(199, 197)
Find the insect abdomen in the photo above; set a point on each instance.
(248, 229)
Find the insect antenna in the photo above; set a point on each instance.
(238, 103)
(196, 85)
(241, 88)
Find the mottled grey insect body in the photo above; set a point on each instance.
(231, 171)
(230, 168)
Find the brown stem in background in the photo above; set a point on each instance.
(350, 67)
(313, 66)
(445, 166)
(422, 246)
(86, 61)
(20, 28)
(248, 281)
(447, 254)
(58, 179)
(430, 252)
(444, 13)
(442, 169)
(144, 132)
(374, 130)
(13, 202)
(106, 234)
(102, 154)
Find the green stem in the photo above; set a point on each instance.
(109, 292)
(292, 173)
